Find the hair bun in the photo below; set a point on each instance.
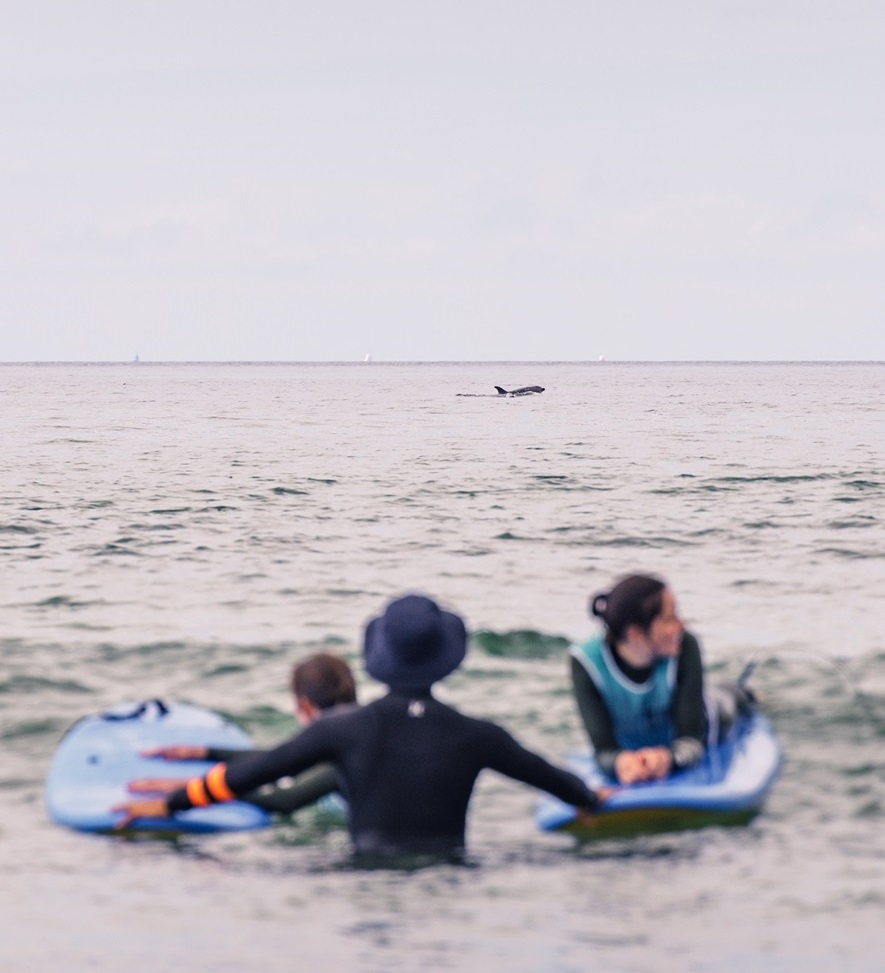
(598, 605)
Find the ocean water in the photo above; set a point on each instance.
(189, 531)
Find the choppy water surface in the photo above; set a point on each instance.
(188, 531)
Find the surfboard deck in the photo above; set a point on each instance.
(100, 754)
(728, 787)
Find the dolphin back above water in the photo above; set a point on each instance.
(525, 390)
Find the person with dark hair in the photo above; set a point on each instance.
(407, 762)
(321, 684)
(639, 685)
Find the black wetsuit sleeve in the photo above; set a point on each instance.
(225, 755)
(287, 794)
(247, 773)
(505, 755)
(595, 716)
(689, 713)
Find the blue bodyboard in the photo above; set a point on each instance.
(99, 755)
(729, 786)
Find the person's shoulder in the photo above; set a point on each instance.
(589, 647)
(476, 726)
(589, 659)
(336, 719)
(339, 710)
(689, 652)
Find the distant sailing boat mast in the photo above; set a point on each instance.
(368, 357)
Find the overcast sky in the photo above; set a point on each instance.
(447, 180)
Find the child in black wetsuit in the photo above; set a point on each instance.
(406, 763)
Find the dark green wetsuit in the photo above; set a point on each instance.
(289, 793)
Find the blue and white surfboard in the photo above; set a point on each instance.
(100, 754)
(729, 786)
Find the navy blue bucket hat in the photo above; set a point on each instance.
(414, 643)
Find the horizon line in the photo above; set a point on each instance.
(447, 361)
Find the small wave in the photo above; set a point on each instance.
(36, 684)
(228, 669)
(110, 652)
(290, 492)
(272, 722)
(873, 809)
(63, 601)
(853, 523)
(115, 548)
(851, 554)
(862, 770)
(522, 643)
(32, 728)
(654, 542)
(327, 642)
(773, 478)
(714, 487)
(17, 529)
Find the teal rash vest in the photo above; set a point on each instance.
(641, 713)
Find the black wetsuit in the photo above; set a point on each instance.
(407, 765)
(688, 711)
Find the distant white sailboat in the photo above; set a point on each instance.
(368, 357)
